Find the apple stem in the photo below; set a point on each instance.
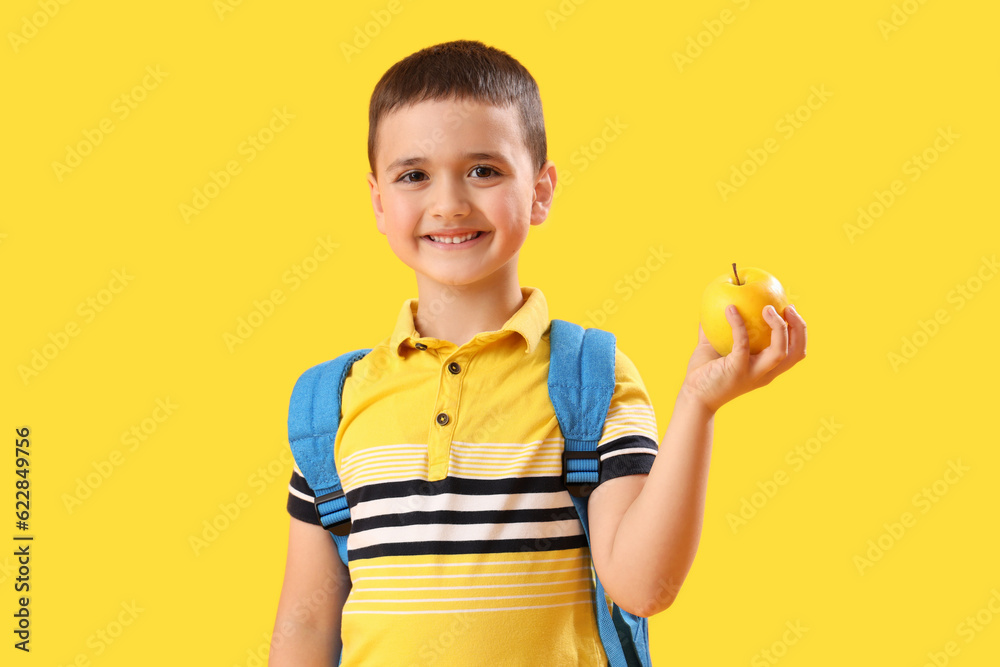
(736, 274)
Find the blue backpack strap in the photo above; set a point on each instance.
(313, 419)
(581, 383)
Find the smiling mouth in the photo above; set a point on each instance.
(454, 240)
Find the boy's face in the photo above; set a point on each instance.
(449, 168)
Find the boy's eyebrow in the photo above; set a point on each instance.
(413, 161)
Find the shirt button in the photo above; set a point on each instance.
(442, 419)
(454, 368)
(420, 346)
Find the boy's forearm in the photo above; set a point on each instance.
(297, 644)
(658, 535)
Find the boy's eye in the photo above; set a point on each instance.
(404, 178)
(480, 168)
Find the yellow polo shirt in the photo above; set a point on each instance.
(465, 547)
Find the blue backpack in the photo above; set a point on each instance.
(581, 382)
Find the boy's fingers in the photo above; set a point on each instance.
(741, 339)
(779, 327)
(777, 351)
(797, 333)
(796, 345)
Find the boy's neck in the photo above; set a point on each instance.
(456, 313)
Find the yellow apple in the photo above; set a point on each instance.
(749, 290)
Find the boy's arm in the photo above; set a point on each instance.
(307, 627)
(645, 528)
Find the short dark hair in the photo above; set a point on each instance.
(464, 70)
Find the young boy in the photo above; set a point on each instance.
(465, 548)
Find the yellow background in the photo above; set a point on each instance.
(682, 129)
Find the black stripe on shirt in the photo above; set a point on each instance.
(469, 517)
(469, 547)
(627, 464)
(626, 441)
(303, 510)
(457, 485)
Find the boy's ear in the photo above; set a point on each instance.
(545, 187)
(376, 202)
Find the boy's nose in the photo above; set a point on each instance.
(448, 199)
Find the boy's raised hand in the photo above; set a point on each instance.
(715, 380)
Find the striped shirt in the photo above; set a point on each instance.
(465, 547)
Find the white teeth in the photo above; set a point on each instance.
(453, 239)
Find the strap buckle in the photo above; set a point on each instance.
(583, 477)
(342, 526)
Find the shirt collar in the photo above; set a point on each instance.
(531, 320)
